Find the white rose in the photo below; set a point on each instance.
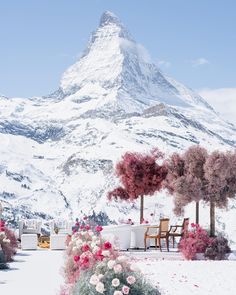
(105, 252)
(115, 282)
(111, 264)
(100, 287)
(117, 268)
(122, 258)
(79, 242)
(95, 249)
(118, 293)
(74, 249)
(94, 280)
(100, 276)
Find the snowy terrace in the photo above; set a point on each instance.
(39, 272)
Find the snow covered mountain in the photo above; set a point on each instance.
(58, 151)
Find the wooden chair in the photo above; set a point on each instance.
(161, 232)
(178, 230)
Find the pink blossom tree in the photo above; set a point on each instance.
(185, 179)
(196, 175)
(220, 173)
(139, 175)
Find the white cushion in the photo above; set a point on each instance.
(29, 241)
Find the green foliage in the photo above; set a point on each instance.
(140, 287)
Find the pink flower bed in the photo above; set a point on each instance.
(92, 266)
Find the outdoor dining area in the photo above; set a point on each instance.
(123, 236)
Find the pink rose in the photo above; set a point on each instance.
(85, 248)
(107, 245)
(85, 261)
(99, 255)
(76, 258)
(125, 289)
(131, 280)
(99, 228)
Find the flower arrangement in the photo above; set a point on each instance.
(194, 241)
(93, 266)
(8, 242)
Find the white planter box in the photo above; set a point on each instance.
(118, 235)
(58, 242)
(137, 236)
(29, 242)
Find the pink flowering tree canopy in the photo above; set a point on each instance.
(196, 175)
(140, 175)
(186, 180)
(220, 173)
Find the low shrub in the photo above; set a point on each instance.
(194, 241)
(8, 242)
(104, 280)
(3, 264)
(218, 249)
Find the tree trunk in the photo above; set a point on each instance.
(212, 219)
(197, 212)
(141, 208)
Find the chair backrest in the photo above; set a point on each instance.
(164, 225)
(29, 226)
(62, 226)
(185, 226)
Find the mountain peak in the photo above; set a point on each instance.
(109, 17)
(114, 72)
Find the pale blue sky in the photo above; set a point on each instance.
(193, 40)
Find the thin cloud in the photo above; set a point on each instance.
(164, 64)
(201, 61)
(223, 101)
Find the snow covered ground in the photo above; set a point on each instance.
(38, 272)
(33, 273)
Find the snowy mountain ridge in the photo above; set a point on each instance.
(58, 151)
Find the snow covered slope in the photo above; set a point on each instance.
(58, 151)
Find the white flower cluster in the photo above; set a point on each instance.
(118, 266)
